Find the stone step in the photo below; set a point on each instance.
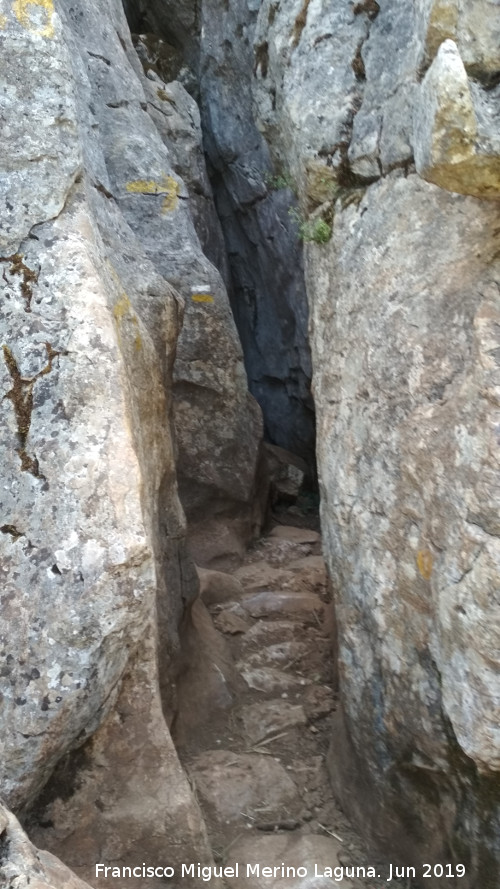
(237, 789)
(295, 535)
(264, 633)
(262, 575)
(268, 718)
(278, 653)
(217, 586)
(270, 680)
(314, 857)
(271, 603)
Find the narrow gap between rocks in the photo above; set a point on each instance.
(257, 683)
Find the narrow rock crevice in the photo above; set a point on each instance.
(263, 265)
(171, 616)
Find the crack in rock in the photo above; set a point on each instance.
(21, 396)
(29, 276)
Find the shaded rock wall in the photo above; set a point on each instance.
(407, 458)
(217, 423)
(254, 197)
(382, 116)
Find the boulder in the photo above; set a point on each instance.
(123, 799)
(217, 586)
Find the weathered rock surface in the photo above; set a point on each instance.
(207, 681)
(354, 100)
(123, 798)
(403, 304)
(23, 866)
(297, 535)
(475, 28)
(269, 718)
(216, 586)
(217, 422)
(311, 853)
(95, 223)
(408, 466)
(267, 602)
(456, 146)
(237, 788)
(253, 201)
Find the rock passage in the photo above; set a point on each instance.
(257, 756)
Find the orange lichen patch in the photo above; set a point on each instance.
(202, 298)
(22, 10)
(168, 187)
(424, 563)
(3, 22)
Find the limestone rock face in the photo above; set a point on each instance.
(475, 27)
(253, 199)
(408, 477)
(404, 300)
(218, 424)
(335, 98)
(95, 223)
(123, 798)
(382, 118)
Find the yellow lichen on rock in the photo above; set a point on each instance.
(321, 182)
(449, 149)
(424, 563)
(121, 310)
(202, 298)
(168, 187)
(21, 9)
(441, 25)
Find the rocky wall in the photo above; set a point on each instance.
(365, 101)
(254, 198)
(96, 573)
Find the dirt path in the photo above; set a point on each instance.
(254, 725)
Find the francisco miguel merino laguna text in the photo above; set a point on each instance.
(337, 873)
(207, 873)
